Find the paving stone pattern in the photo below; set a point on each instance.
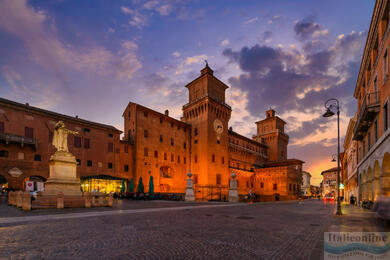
(256, 231)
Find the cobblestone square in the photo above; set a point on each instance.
(177, 230)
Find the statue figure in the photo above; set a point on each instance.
(60, 138)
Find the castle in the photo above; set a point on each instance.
(155, 144)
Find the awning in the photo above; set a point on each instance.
(101, 176)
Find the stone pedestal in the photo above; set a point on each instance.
(190, 190)
(62, 178)
(233, 192)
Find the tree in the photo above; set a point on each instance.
(140, 188)
(131, 185)
(151, 185)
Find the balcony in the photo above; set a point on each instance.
(368, 110)
(22, 140)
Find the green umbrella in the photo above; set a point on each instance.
(140, 188)
(123, 186)
(151, 185)
(131, 185)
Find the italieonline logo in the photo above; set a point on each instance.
(356, 245)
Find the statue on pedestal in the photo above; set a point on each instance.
(60, 138)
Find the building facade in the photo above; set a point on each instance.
(306, 187)
(349, 163)
(372, 92)
(158, 147)
(26, 134)
(329, 183)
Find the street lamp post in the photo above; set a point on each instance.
(330, 105)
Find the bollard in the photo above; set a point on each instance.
(60, 200)
(19, 199)
(26, 201)
(10, 195)
(87, 199)
(110, 200)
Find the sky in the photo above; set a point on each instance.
(90, 58)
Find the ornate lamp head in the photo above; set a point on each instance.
(189, 174)
(233, 174)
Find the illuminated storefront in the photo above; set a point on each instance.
(103, 183)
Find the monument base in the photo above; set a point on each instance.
(233, 191)
(63, 177)
(190, 191)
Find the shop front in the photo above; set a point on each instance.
(103, 183)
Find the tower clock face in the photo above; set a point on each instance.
(218, 126)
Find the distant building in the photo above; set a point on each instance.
(349, 163)
(372, 91)
(329, 182)
(306, 190)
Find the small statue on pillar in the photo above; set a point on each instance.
(60, 138)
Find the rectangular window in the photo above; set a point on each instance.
(50, 136)
(223, 160)
(86, 143)
(161, 120)
(156, 154)
(110, 135)
(178, 159)
(145, 114)
(275, 186)
(172, 157)
(184, 160)
(89, 163)
(161, 139)
(218, 179)
(251, 184)
(196, 159)
(87, 130)
(4, 153)
(109, 165)
(386, 116)
(376, 131)
(289, 187)
(78, 162)
(126, 168)
(195, 178)
(172, 125)
(261, 184)
(172, 141)
(126, 149)
(145, 133)
(2, 131)
(77, 141)
(213, 158)
(145, 151)
(364, 148)
(37, 157)
(368, 141)
(385, 67)
(196, 131)
(247, 184)
(110, 147)
(184, 145)
(129, 114)
(29, 132)
(165, 156)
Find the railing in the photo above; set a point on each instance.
(11, 138)
(247, 150)
(366, 112)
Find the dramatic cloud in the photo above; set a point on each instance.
(46, 49)
(307, 28)
(297, 82)
(137, 19)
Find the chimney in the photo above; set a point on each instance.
(167, 112)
